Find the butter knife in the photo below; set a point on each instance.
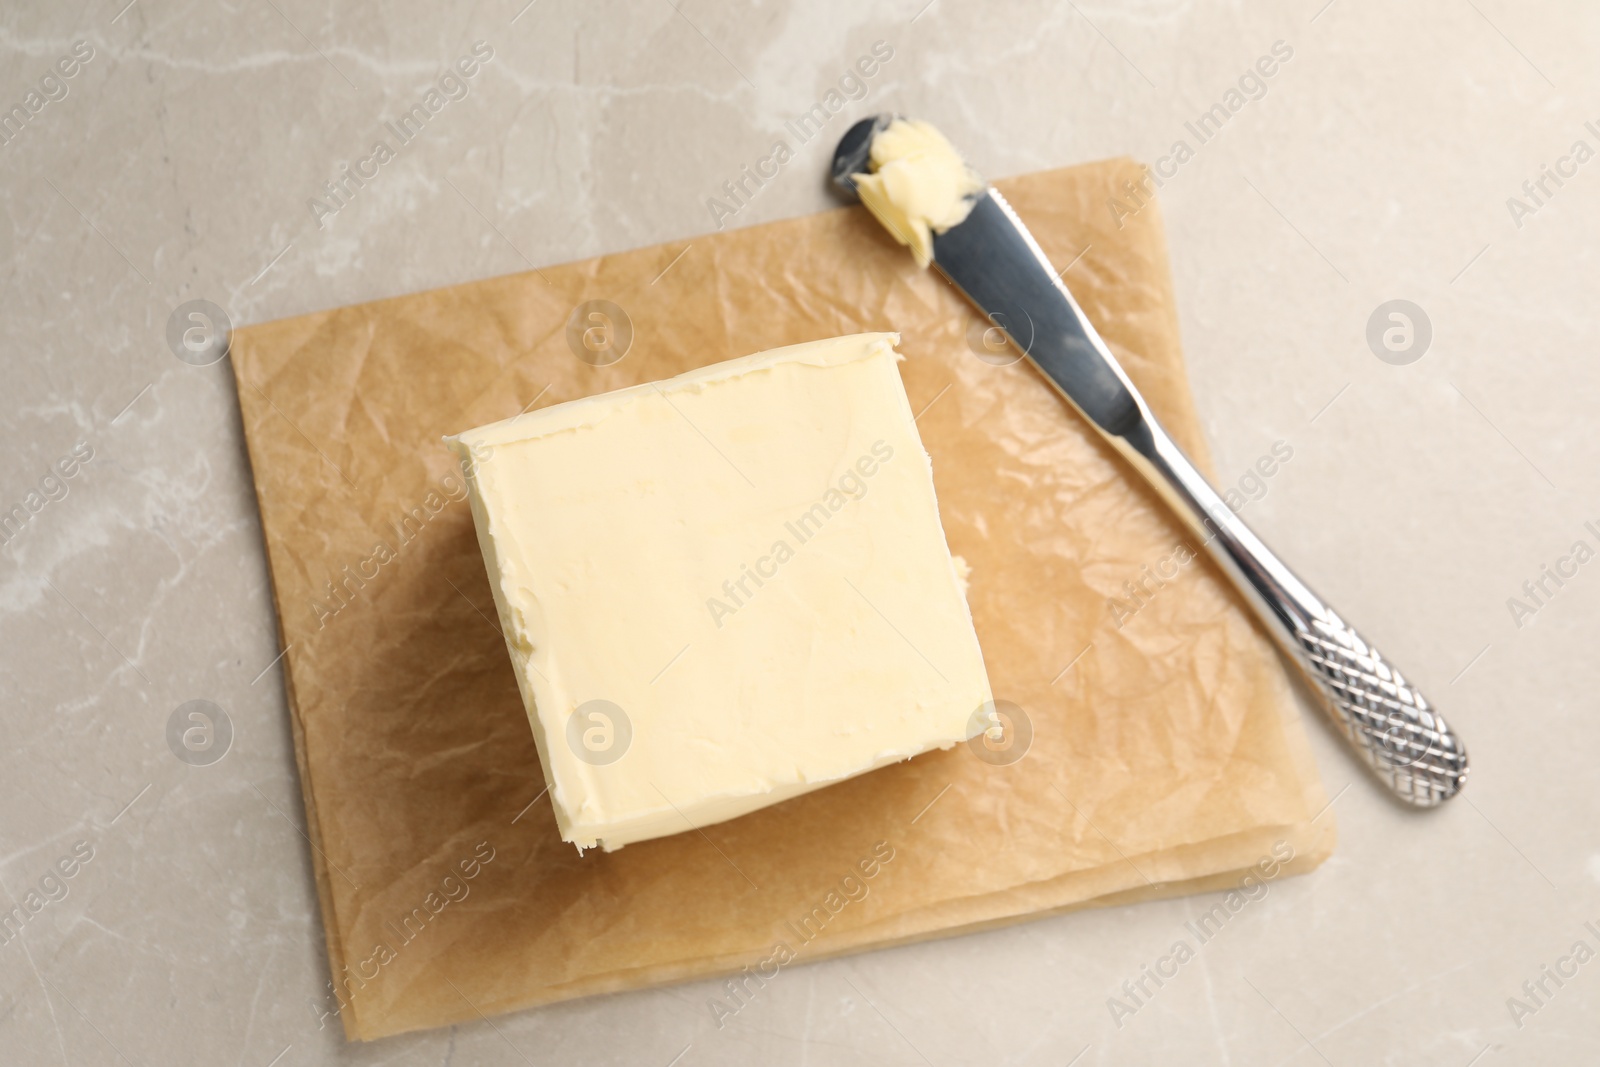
(993, 259)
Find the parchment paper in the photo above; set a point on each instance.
(1166, 755)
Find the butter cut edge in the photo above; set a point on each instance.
(590, 410)
(722, 807)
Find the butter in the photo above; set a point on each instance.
(963, 575)
(919, 185)
(726, 589)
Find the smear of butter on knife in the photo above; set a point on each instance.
(918, 186)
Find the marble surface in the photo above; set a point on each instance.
(1375, 164)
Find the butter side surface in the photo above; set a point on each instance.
(725, 589)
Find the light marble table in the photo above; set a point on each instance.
(1377, 163)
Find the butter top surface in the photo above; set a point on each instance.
(745, 562)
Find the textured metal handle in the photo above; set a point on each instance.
(1406, 743)
(1397, 732)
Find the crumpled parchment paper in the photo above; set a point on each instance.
(1166, 754)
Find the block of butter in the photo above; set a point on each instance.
(725, 589)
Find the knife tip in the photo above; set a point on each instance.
(854, 151)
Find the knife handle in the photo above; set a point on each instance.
(1396, 731)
